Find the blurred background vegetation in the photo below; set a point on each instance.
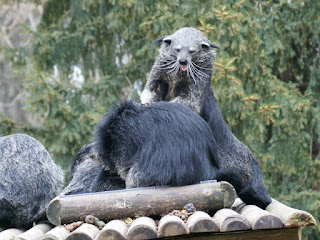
(63, 63)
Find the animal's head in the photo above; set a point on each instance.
(187, 50)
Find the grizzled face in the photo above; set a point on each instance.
(186, 50)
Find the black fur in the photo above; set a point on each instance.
(87, 174)
(190, 84)
(237, 164)
(165, 143)
(159, 144)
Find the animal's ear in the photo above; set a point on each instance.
(159, 40)
(213, 45)
(164, 39)
(208, 44)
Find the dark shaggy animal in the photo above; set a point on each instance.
(29, 179)
(158, 144)
(144, 145)
(182, 74)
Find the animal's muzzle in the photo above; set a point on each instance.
(183, 61)
(184, 64)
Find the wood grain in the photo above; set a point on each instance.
(202, 222)
(8, 234)
(113, 230)
(142, 228)
(290, 216)
(57, 233)
(172, 226)
(229, 220)
(84, 232)
(139, 202)
(259, 218)
(35, 233)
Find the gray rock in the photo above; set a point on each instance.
(29, 179)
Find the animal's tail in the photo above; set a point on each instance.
(247, 191)
(251, 191)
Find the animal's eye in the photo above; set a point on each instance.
(192, 50)
(167, 41)
(178, 48)
(205, 46)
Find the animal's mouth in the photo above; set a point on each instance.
(184, 67)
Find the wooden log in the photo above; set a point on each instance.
(291, 217)
(35, 233)
(84, 232)
(142, 228)
(238, 205)
(257, 217)
(139, 202)
(10, 233)
(260, 219)
(172, 226)
(113, 230)
(57, 233)
(202, 222)
(229, 220)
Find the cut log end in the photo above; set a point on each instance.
(35, 232)
(113, 230)
(57, 233)
(10, 233)
(84, 232)
(142, 228)
(144, 233)
(172, 226)
(291, 217)
(267, 222)
(53, 211)
(233, 224)
(259, 218)
(300, 219)
(229, 194)
(111, 235)
(202, 222)
(229, 220)
(77, 236)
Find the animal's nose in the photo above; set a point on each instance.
(183, 61)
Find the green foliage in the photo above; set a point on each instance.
(266, 78)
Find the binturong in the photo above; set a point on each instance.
(182, 74)
(182, 71)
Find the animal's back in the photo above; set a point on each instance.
(160, 144)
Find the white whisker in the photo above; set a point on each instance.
(166, 68)
(192, 73)
(165, 63)
(173, 69)
(197, 72)
(200, 66)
